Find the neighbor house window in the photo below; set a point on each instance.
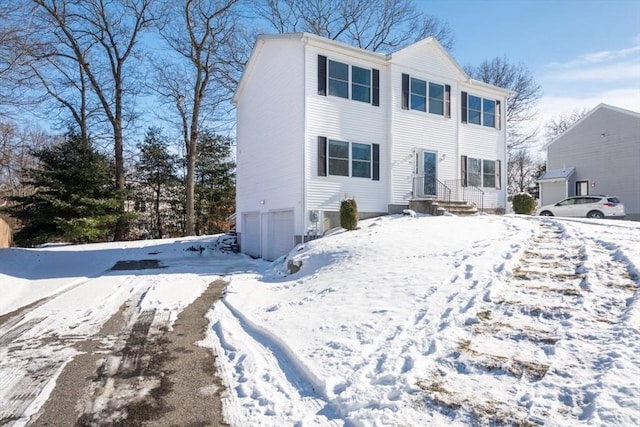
(342, 158)
(480, 172)
(338, 79)
(360, 84)
(480, 111)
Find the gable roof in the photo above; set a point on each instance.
(430, 42)
(589, 114)
(374, 56)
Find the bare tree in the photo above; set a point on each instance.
(200, 80)
(16, 148)
(12, 55)
(558, 125)
(521, 106)
(100, 36)
(522, 171)
(376, 25)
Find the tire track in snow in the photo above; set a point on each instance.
(254, 352)
(33, 335)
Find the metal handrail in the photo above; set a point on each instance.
(443, 192)
(468, 193)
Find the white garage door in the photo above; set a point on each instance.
(281, 232)
(250, 238)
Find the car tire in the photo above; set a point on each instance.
(546, 213)
(595, 214)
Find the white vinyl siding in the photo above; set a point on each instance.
(351, 122)
(270, 114)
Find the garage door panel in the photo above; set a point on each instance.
(251, 235)
(281, 233)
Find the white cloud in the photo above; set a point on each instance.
(613, 72)
(599, 57)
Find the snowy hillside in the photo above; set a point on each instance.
(440, 321)
(407, 321)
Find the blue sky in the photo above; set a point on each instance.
(582, 52)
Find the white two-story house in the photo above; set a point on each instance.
(319, 121)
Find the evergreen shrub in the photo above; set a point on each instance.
(523, 203)
(349, 214)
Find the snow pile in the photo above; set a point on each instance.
(439, 321)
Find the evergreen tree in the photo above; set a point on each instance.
(215, 183)
(156, 175)
(75, 198)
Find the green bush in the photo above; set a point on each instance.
(349, 214)
(523, 203)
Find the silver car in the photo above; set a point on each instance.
(585, 207)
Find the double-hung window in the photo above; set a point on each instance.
(436, 99)
(338, 79)
(489, 113)
(343, 158)
(481, 172)
(349, 159)
(418, 95)
(348, 81)
(488, 173)
(361, 160)
(475, 110)
(480, 111)
(338, 158)
(360, 84)
(422, 95)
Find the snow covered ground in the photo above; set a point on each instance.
(407, 321)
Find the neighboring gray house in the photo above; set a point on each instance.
(599, 154)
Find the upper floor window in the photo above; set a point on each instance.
(348, 81)
(480, 111)
(338, 79)
(436, 99)
(360, 84)
(418, 95)
(425, 96)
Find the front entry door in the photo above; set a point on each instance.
(429, 165)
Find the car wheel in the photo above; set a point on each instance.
(595, 214)
(546, 213)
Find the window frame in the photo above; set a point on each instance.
(369, 85)
(441, 101)
(335, 80)
(413, 94)
(351, 159)
(473, 172)
(481, 117)
(439, 106)
(336, 159)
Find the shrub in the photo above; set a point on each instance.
(523, 203)
(349, 214)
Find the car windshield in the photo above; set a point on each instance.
(613, 200)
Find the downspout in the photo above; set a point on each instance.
(304, 139)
